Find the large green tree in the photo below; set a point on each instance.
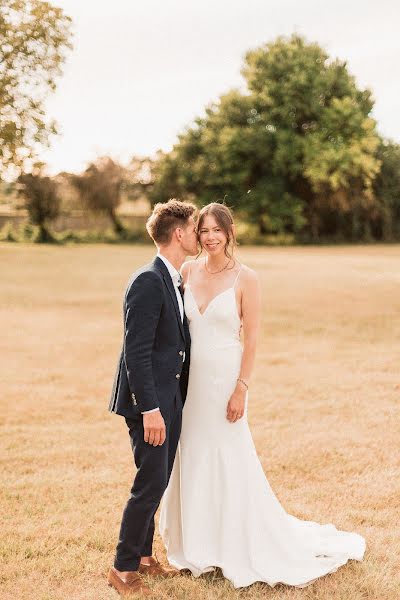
(299, 141)
(34, 38)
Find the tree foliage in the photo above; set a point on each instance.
(100, 188)
(34, 39)
(42, 202)
(139, 177)
(387, 191)
(298, 143)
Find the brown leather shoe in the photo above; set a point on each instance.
(155, 569)
(134, 583)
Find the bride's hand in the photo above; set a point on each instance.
(235, 408)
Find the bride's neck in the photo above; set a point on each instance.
(214, 263)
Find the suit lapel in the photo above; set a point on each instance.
(158, 263)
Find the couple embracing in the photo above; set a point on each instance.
(182, 385)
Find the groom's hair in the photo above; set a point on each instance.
(166, 217)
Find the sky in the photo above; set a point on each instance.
(140, 72)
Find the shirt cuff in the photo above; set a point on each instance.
(149, 411)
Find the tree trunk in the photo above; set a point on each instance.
(261, 226)
(355, 225)
(387, 224)
(118, 227)
(314, 225)
(44, 236)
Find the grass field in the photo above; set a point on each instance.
(323, 411)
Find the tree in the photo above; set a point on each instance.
(42, 202)
(139, 177)
(387, 192)
(325, 137)
(287, 149)
(100, 189)
(34, 38)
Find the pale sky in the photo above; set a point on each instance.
(141, 71)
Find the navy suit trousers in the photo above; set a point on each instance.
(154, 465)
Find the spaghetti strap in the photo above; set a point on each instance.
(237, 276)
(189, 269)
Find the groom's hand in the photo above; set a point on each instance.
(154, 428)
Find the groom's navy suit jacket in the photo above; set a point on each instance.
(155, 355)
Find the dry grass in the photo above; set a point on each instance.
(324, 414)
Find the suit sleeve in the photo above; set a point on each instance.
(142, 312)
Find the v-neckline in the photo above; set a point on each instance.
(211, 301)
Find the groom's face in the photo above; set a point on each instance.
(189, 238)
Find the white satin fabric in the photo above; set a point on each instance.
(219, 509)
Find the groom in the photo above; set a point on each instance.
(150, 387)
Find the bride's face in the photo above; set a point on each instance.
(212, 237)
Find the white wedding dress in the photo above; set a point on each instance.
(219, 509)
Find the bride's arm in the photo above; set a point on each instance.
(251, 316)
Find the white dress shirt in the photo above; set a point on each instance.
(176, 278)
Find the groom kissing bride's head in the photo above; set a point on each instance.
(172, 225)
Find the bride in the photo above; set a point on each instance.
(219, 509)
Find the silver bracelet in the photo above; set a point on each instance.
(244, 383)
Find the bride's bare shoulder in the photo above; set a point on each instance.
(247, 275)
